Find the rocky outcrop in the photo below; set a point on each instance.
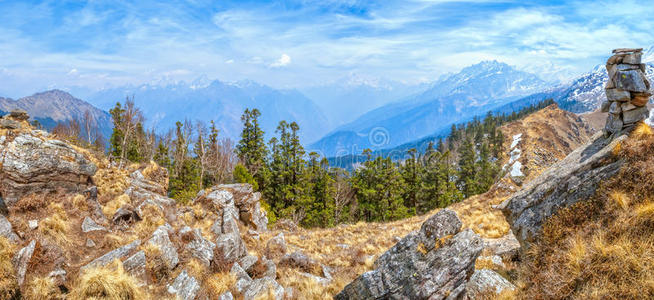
(238, 201)
(432, 263)
(119, 253)
(573, 179)
(31, 163)
(185, 286)
(21, 261)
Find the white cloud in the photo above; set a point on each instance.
(72, 72)
(283, 61)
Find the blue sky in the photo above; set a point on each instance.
(294, 44)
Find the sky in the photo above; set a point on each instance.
(296, 44)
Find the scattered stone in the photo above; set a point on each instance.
(229, 248)
(226, 296)
(485, 282)
(58, 276)
(21, 261)
(126, 214)
(259, 288)
(276, 247)
(90, 243)
(161, 239)
(246, 262)
(197, 245)
(33, 224)
(135, 266)
(109, 257)
(301, 261)
(89, 225)
(9, 124)
(185, 287)
(6, 229)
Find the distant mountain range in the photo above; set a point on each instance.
(55, 106)
(345, 99)
(205, 100)
(455, 98)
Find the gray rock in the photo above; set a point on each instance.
(615, 108)
(33, 224)
(226, 296)
(606, 105)
(21, 261)
(635, 115)
(126, 214)
(567, 182)
(135, 266)
(89, 225)
(7, 230)
(9, 124)
(299, 260)
(197, 245)
(428, 264)
(506, 247)
(246, 262)
(243, 280)
(618, 95)
(628, 106)
(109, 257)
(484, 283)
(276, 247)
(31, 164)
(90, 243)
(229, 248)
(271, 268)
(185, 287)
(613, 123)
(161, 240)
(633, 58)
(58, 276)
(631, 80)
(261, 287)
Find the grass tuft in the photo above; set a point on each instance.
(42, 288)
(8, 284)
(111, 282)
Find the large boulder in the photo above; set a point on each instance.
(197, 245)
(109, 257)
(185, 286)
(229, 248)
(161, 240)
(432, 263)
(238, 201)
(29, 164)
(567, 182)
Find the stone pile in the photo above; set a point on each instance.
(627, 90)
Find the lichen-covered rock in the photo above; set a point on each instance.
(229, 248)
(21, 261)
(276, 247)
(197, 245)
(569, 181)
(485, 283)
(433, 263)
(89, 225)
(185, 286)
(261, 287)
(109, 257)
(31, 164)
(161, 240)
(135, 266)
(506, 247)
(6, 230)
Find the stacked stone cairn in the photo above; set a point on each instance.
(627, 90)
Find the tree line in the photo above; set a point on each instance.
(304, 188)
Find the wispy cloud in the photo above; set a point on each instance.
(304, 42)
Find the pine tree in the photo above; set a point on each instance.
(411, 171)
(251, 149)
(467, 168)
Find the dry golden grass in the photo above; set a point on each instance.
(110, 208)
(218, 283)
(79, 201)
(56, 226)
(152, 217)
(42, 288)
(111, 282)
(111, 181)
(601, 248)
(8, 284)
